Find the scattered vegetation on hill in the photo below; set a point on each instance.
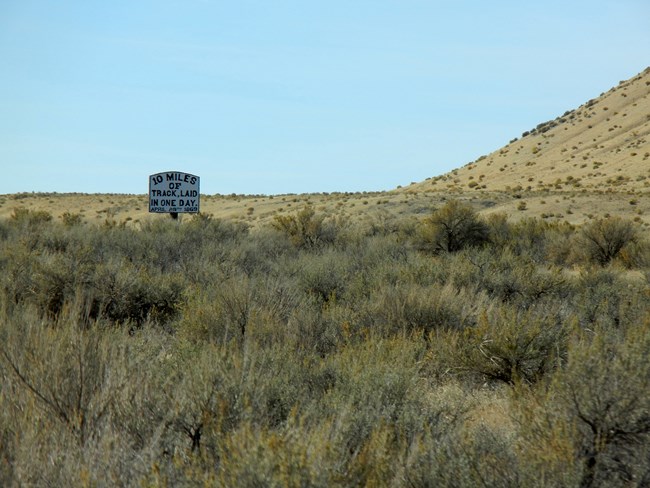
(458, 351)
(600, 146)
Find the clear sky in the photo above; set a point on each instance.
(292, 96)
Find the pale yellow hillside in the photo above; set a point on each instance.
(603, 145)
(590, 162)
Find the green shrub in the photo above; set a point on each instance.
(591, 426)
(605, 239)
(256, 255)
(204, 352)
(59, 386)
(636, 255)
(422, 310)
(71, 219)
(608, 299)
(538, 239)
(316, 330)
(499, 229)
(506, 277)
(453, 227)
(512, 347)
(306, 229)
(31, 218)
(123, 294)
(324, 277)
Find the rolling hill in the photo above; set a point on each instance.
(603, 145)
(589, 162)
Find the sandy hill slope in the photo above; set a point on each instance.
(590, 162)
(603, 145)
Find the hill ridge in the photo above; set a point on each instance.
(590, 162)
(603, 145)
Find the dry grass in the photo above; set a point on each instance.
(591, 162)
(209, 354)
(602, 146)
(575, 207)
(214, 355)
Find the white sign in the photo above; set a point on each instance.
(174, 192)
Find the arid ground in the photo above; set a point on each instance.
(591, 161)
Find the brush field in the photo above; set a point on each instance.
(480, 328)
(453, 349)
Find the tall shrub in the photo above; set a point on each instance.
(603, 240)
(453, 227)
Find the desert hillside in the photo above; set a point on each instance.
(603, 145)
(589, 162)
(592, 161)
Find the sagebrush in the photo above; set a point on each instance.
(455, 351)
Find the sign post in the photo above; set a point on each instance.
(174, 192)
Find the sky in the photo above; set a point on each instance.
(292, 96)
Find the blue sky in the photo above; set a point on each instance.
(284, 96)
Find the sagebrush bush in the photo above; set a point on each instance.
(22, 216)
(605, 239)
(506, 277)
(590, 426)
(453, 227)
(315, 352)
(60, 384)
(541, 240)
(514, 346)
(607, 298)
(423, 310)
(309, 230)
